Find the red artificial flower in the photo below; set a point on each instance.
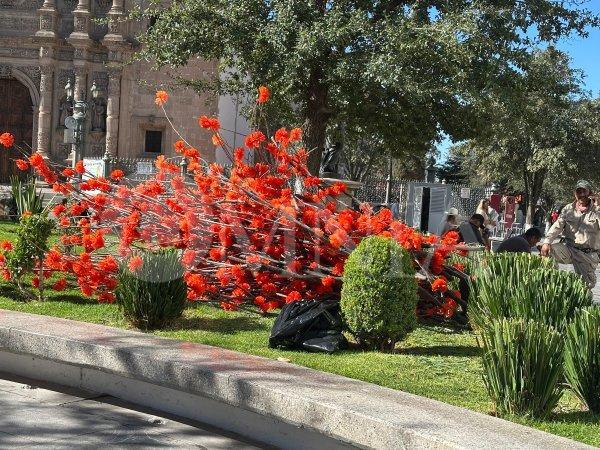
(68, 172)
(60, 285)
(439, 285)
(22, 164)
(117, 174)
(295, 134)
(7, 140)
(293, 296)
(254, 139)
(6, 245)
(161, 98)
(36, 160)
(263, 95)
(79, 167)
(209, 123)
(135, 263)
(59, 209)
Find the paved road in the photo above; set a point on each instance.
(43, 416)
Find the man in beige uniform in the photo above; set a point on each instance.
(579, 226)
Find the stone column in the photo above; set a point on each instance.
(45, 110)
(48, 23)
(112, 111)
(115, 21)
(80, 87)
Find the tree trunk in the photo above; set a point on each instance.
(533, 188)
(317, 116)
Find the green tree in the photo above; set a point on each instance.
(540, 128)
(406, 70)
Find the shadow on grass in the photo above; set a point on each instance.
(225, 325)
(441, 350)
(12, 292)
(582, 417)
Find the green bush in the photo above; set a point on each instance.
(526, 286)
(25, 195)
(29, 248)
(154, 294)
(582, 356)
(522, 366)
(379, 293)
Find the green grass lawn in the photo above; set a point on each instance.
(433, 362)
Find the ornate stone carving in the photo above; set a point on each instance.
(101, 79)
(104, 5)
(78, 53)
(33, 72)
(19, 25)
(63, 76)
(5, 71)
(19, 52)
(80, 24)
(21, 5)
(46, 22)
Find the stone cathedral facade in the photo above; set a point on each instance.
(46, 43)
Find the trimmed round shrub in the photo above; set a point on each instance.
(582, 356)
(155, 292)
(522, 366)
(379, 293)
(527, 287)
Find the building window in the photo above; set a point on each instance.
(153, 141)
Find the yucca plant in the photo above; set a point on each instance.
(494, 281)
(155, 292)
(522, 366)
(549, 296)
(582, 356)
(26, 196)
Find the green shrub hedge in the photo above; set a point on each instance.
(582, 356)
(154, 294)
(379, 293)
(522, 366)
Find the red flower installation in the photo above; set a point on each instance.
(261, 234)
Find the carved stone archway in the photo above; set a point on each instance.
(19, 74)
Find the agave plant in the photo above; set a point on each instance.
(522, 366)
(582, 356)
(26, 196)
(549, 296)
(494, 282)
(153, 292)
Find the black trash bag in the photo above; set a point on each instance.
(309, 325)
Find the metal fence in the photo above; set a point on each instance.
(136, 170)
(465, 198)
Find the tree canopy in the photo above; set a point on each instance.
(543, 128)
(402, 70)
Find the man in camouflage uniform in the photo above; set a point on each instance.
(579, 228)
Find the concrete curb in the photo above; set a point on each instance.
(270, 401)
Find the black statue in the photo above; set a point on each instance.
(331, 160)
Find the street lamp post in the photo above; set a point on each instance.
(76, 123)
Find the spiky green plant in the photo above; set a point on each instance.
(522, 366)
(156, 292)
(494, 281)
(582, 356)
(26, 196)
(549, 296)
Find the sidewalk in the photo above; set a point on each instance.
(44, 416)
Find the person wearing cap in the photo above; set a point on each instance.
(470, 231)
(578, 226)
(451, 222)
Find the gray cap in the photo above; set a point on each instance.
(583, 184)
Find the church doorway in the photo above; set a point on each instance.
(16, 117)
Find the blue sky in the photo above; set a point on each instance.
(585, 54)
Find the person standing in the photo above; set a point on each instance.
(451, 222)
(579, 228)
(521, 243)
